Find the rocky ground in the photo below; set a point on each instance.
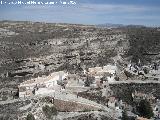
(38, 49)
(32, 49)
(68, 106)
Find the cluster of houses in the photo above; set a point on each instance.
(58, 80)
(118, 104)
(98, 73)
(43, 85)
(109, 72)
(150, 71)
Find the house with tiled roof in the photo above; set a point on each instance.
(109, 71)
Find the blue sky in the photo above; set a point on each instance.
(141, 12)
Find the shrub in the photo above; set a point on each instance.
(128, 74)
(49, 111)
(30, 116)
(86, 110)
(145, 109)
(125, 115)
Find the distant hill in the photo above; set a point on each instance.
(110, 25)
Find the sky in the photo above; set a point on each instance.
(135, 12)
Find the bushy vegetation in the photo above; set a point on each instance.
(125, 115)
(88, 81)
(124, 92)
(49, 111)
(30, 116)
(145, 110)
(128, 75)
(144, 43)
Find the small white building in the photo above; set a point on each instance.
(95, 71)
(41, 85)
(102, 70)
(110, 69)
(42, 91)
(99, 72)
(112, 102)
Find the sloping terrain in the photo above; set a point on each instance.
(40, 48)
(144, 44)
(30, 49)
(34, 49)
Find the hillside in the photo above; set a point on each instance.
(31, 49)
(144, 44)
(34, 49)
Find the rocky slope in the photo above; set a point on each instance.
(30, 49)
(37, 49)
(34, 49)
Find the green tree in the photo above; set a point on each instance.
(125, 115)
(30, 116)
(145, 109)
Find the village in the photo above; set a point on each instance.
(150, 71)
(63, 85)
(83, 72)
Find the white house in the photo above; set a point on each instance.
(41, 85)
(98, 72)
(101, 70)
(95, 71)
(112, 102)
(110, 69)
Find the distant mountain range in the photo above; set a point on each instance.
(110, 25)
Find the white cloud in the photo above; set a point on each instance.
(116, 8)
(86, 13)
(93, 8)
